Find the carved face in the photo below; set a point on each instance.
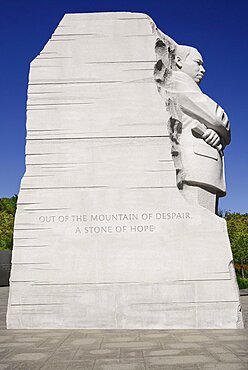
(191, 64)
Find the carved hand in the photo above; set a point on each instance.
(211, 137)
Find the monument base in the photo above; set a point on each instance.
(129, 306)
(170, 267)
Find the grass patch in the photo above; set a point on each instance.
(242, 282)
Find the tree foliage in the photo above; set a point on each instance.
(7, 216)
(8, 205)
(237, 225)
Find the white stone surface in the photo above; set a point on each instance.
(199, 128)
(103, 237)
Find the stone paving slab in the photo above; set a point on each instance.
(122, 349)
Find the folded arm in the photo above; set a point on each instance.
(199, 106)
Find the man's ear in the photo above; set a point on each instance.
(179, 63)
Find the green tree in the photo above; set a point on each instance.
(7, 216)
(8, 205)
(237, 225)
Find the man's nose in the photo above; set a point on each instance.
(202, 69)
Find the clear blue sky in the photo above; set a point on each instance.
(218, 28)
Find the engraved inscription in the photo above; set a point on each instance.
(118, 223)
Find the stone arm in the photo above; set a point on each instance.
(193, 102)
(200, 107)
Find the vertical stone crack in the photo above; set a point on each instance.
(165, 54)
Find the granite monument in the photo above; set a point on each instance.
(116, 223)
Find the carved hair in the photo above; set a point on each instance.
(183, 51)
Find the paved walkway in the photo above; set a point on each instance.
(122, 349)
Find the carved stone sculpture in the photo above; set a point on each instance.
(115, 225)
(199, 128)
